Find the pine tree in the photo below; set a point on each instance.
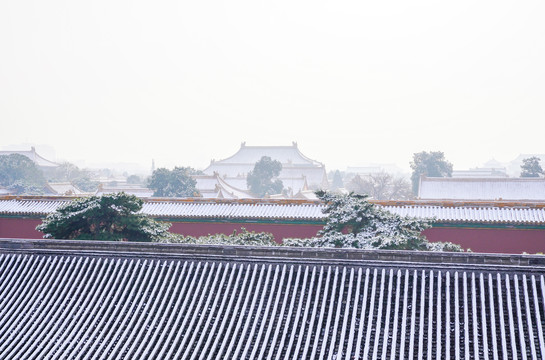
(260, 179)
(531, 167)
(114, 217)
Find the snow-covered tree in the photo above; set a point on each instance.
(354, 222)
(243, 237)
(114, 217)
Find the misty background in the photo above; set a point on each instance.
(352, 82)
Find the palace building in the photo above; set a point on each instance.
(227, 178)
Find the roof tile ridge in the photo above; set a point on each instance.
(315, 162)
(199, 200)
(103, 248)
(463, 203)
(46, 160)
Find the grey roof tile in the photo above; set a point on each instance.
(121, 301)
(297, 210)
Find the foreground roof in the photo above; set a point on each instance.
(482, 188)
(532, 213)
(99, 300)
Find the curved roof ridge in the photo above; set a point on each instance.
(231, 189)
(32, 155)
(483, 179)
(245, 148)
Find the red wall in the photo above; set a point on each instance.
(499, 240)
(20, 228)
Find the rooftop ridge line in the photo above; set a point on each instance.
(80, 247)
(441, 203)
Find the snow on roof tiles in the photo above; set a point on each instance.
(296, 210)
(284, 154)
(138, 301)
(482, 188)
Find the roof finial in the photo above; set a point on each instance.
(243, 144)
(294, 143)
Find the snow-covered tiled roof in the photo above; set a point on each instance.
(297, 210)
(284, 154)
(29, 207)
(234, 210)
(66, 188)
(115, 300)
(482, 188)
(473, 214)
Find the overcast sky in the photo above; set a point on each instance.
(353, 82)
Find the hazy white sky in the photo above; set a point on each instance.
(353, 82)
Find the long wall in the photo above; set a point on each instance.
(20, 228)
(478, 239)
(491, 240)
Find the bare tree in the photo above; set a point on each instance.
(381, 186)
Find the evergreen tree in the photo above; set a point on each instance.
(174, 183)
(337, 181)
(114, 217)
(531, 167)
(432, 164)
(260, 179)
(19, 174)
(354, 222)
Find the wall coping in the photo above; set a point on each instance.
(417, 202)
(264, 253)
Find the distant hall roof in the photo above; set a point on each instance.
(33, 155)
(284, 154)
(103, 300)
(294, 164)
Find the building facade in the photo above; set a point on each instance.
(299, 173)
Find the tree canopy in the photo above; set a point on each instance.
(260, 179)
(531, 167)
(71, 173)
(21, 175)
(431, 164)
(381, 186)
(109, 217)
(174, 183)
(242, 237)
(337, 182)
(354, 222)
